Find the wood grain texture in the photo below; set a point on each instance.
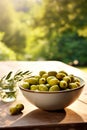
(32, 118)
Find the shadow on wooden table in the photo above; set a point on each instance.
(46, 120)
(39, 117)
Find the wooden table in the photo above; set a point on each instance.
(73, 117)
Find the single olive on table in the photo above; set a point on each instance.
(16, 109)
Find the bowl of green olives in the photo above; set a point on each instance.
(52, 90)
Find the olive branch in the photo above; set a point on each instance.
(9, 80)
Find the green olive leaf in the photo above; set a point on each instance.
(18, 73)
(26, 72)
(9, 75)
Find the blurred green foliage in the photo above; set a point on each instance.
(5, 52)
(44, 30)
(14, 37)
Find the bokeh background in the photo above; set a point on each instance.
(44, 30)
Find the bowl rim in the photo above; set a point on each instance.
(52, 92)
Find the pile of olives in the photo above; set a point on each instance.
(51, 81)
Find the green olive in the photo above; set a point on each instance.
(25, 85)
(60, 75)
(20, 107)
(42, 72)
(53, 81)
(52, 73)
(64, 72)
(43, 87)
(50, 77)
(34, 87)
(42, 81)
(13, 111)
(37, 77)
(76, 80)
(17, 109)
(32, 80)
(72, 77)
(78, 84)
(67, 79)
(45, 75)
(48, 86)
(54, 88)
(73, 85)
(63, 84)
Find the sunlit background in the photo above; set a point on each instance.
(44, 30)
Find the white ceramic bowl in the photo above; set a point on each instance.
(53, 100)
